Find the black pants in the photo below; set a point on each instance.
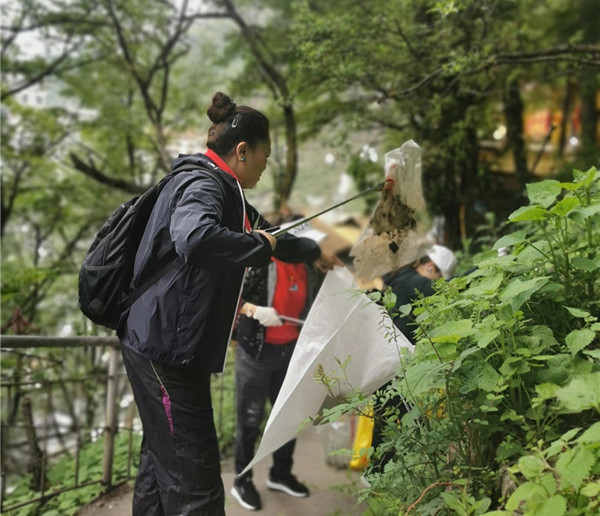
(257, 380)
(180, 470)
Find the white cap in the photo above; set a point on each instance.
(444, 260)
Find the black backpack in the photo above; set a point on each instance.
(107, 268)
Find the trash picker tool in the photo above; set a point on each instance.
(289, 319)
(379, 186)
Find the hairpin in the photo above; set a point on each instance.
(236, 120)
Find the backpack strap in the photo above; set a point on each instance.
(171, 258)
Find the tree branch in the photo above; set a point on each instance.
(90, 170)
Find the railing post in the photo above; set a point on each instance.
(111, 418)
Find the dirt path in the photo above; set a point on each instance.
(333, 491)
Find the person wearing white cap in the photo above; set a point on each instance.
(416, 279)
(408, 283)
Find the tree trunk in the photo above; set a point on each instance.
(566, 117)
(285, 185)
(513, 113)
(37, 464)
(590, 152)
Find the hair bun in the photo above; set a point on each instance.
(222, 107)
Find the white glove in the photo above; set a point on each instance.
(267, 316)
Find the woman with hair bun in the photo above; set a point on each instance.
(175, 335)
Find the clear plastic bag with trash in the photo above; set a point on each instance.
(337, 442)
(397, 223)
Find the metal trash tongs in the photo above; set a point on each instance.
(278, 231)
(289, 319)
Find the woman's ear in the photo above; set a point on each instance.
(240, 151)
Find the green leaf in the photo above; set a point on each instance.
(547, 480)
(544, 192)
(594, 353)
(528, 213)
(591, 490)
(581, 393)
(525, 493)
(565, 206)
(584, 264)
(424, 376)
(509, 240)
(569, 434)
(507, 449)
(514, 365)
(577, 312)
(486, 286)
(452, 331)
(511, 415)
(584, 178)
(591, 435)
(582, 214)
(531, 466)
(483, 339)
(554, 506)
(519, 291)
(559, 368)
(574, 466)
(579, 339)
(546, 391)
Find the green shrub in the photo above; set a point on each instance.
(61, 475)
(504, 383)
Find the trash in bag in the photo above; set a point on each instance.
(337, 442)
(393, 232)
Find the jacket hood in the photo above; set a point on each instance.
(198, 159)
(201, 161)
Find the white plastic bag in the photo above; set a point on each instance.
(343, 325)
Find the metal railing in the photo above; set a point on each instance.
(38, 463)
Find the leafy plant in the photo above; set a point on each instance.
(504, 375)
(63, 475)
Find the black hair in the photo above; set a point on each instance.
(233, 124)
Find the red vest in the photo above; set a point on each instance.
(289, 299)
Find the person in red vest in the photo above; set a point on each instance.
(274, 296)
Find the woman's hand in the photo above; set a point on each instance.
(272, 240)
(327, 262)
(265, 315)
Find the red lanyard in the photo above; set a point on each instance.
(226, 168)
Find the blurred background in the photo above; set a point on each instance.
(99, 96)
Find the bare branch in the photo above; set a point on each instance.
(90, 169)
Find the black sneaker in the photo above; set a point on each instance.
(289, 485)
(245, 493)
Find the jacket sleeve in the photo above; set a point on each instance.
(290, 248)
(294, 249)
(198, 232)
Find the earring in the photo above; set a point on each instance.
(242, 158)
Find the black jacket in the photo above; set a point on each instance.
(187, 316)
(259, 288)
(407, 284)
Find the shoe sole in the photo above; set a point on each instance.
(239, 500)
(274, 486)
